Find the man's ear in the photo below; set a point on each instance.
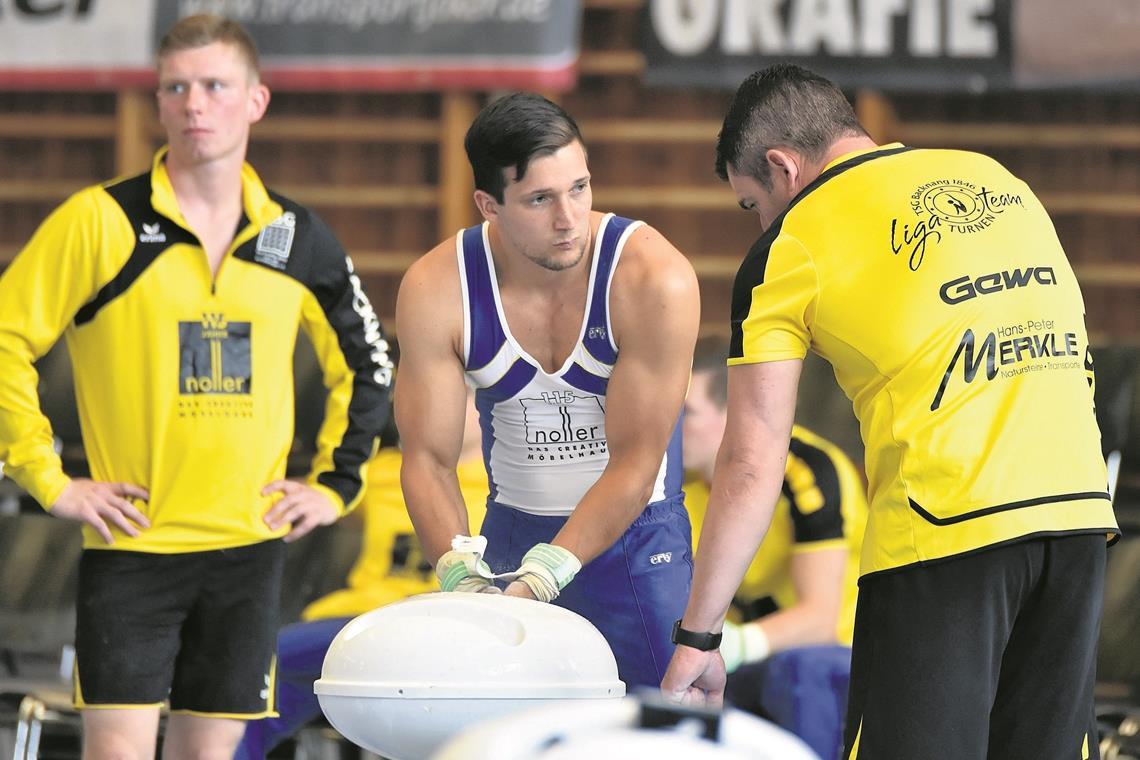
(786, 168)
(258, 102)
(487, 205)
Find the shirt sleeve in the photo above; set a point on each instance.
(357, 369)
(40, 292)
(773, 302)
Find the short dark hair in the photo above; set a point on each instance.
(711, 356)
(782, 106)
(205, 29)
(511, 131)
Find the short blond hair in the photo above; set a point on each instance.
(206, 29)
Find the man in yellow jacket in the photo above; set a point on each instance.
(180, 293)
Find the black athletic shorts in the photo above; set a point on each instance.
(198, 628)
(985, 656)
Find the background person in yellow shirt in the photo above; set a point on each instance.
(787, 647)
(391, 566)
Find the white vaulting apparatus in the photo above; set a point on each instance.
(403, 679)
(624, 729)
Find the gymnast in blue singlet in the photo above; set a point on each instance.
(575, 329)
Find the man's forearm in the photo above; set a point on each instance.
(739, 511)
(606, 510)
(798, 626)
(435, 505)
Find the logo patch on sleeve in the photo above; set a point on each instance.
(275, 242)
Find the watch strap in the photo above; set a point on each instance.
(705, 641)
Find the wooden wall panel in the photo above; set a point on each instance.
(388, 173)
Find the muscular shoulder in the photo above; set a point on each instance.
(434, 276)
(430, 301)
(651, 269)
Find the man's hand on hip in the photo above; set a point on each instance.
(97, 503)
(302, 507)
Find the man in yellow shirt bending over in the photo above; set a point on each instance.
(787, 644)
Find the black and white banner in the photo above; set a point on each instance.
(305, 44)
(935, 45)
(931, 45)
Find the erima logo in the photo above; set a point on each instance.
(663, 557)
(964, 288)
(152, 234)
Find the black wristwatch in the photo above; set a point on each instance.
(704, 641)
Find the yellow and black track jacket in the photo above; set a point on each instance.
(934, 283)
(184, 381)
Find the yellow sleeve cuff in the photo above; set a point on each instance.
(47, 487)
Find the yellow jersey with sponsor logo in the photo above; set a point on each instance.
(934, 283)
(184, 380)
(391, 565)
(822, 506)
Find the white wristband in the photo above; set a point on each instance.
(546, 569)
(463, 568)
(476, 545)
(742, 644)
(756, 646)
